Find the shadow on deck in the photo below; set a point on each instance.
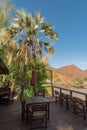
(60, 118)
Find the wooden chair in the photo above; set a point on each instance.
(70, 103)
(37, 115)
(80, 107)
(63, 100)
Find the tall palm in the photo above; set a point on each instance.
(34, 36)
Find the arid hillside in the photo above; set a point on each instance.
(68, 73)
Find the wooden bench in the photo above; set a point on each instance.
(5, 94)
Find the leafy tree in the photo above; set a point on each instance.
(33, 36)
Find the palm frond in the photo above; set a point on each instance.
(38, 18)
(51, 50)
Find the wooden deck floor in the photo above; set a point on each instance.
(60, 118)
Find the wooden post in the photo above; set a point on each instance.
(70, 93)
(86, 98)
(60, 90)
(52, 88)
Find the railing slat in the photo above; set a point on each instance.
(71, 91)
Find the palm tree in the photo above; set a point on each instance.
(5, 12)
(34, 36)
(5, 9)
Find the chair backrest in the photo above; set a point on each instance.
(79, 100)
(69, 97)
(41, 109)
(63, 95)
(41, 92)
(38, 112)
(56, 93)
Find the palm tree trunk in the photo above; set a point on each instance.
(23, 80)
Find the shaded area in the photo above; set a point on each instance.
(3, 68)
(60, 118)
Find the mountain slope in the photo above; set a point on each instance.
(72, 72)
(68, 73)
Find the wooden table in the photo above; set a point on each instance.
(38, 100)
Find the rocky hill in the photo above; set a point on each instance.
(68, 73)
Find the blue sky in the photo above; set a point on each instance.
(69, 18)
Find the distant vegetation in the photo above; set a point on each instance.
(80, 82)
(70, 76)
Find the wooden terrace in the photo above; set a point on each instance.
(60, 118)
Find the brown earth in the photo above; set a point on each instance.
(68, 73)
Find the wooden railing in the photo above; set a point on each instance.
(71, 92)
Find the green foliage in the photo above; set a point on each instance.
(85, 79)
(15, 74)
(79, 81)
(41, 74)
(28, 91)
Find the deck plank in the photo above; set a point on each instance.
(60, 118)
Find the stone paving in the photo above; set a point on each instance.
(60, 118)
